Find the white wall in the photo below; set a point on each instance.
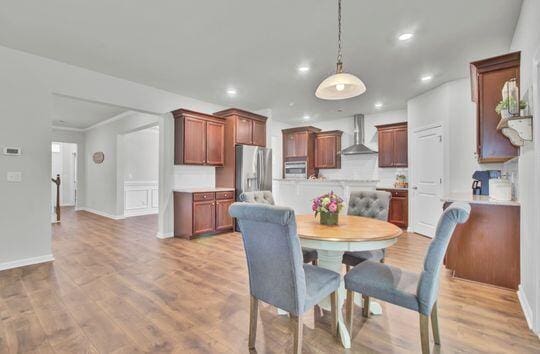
(527, 40)
(451, 105)
(141, 151)
(26, 115)
(363, 167)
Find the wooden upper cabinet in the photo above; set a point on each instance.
(328, 149)
(488, 77)
(400, 146)
(393, 146)
(198, 138)
(259, 133)
(195, 140)
(249, 128)
(215, 135)
(244, 131)
(300, 144)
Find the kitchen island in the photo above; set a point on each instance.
(486, 248)
(298, 194)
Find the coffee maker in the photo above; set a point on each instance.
(480, 185)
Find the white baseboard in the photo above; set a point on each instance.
(130, 213)
(410, 230)
(26, 262)
(101, 213)
(165, 235)
(526, 309)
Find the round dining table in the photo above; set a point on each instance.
(353, 233)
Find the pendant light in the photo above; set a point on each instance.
(340, 85)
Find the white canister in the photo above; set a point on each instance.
(500, 189)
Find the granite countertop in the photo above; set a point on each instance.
(477, 199)
(202, 190)
(329, 181)
(393, 188)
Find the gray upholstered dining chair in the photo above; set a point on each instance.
(417, 292)
(371, 204)
(277, 275)
(310, 255)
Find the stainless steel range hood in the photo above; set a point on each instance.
(358, 147)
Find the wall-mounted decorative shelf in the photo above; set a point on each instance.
(516, 129)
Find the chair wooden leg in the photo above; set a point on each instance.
(349, 309)
(347, 268)
(334, 312)
(424, 333)
(253, 313)
(435, 325)
(298, 329)
(315, 262)
(365, 307)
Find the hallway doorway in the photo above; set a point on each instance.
(64, 164)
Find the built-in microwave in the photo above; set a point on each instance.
(296, 170)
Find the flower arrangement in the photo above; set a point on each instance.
(328, 206)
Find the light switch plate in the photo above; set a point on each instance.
(14, 176)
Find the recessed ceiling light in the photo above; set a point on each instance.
(231, 92)
(378, 104)
(426, 78)
(303, 68)
(306, 117)
(405, 36)
(291, 104)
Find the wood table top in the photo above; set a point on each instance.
(349, 229)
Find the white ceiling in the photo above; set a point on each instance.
(74, 113)
(201, 48)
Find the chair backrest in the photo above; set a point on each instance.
(261, 197)
(428, 286)
(274, 255)
(371, 204)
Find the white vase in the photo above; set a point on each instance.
(505, 114)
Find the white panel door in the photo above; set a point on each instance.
(427, 180)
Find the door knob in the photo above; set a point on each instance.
(415, 187)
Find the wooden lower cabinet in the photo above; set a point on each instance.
(486, 248)
(198, 213)
(223, 220)
(398, 212)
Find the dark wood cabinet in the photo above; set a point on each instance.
(486, 248)
(223, 220)
(199, 138)
(328, 149)
(244, 131)
(197, 213)
(393, 145)
(488, 77)
(204, 217)
(259, 133)
(299, 145)
(398, 212)
(215, 149)
(241, 128)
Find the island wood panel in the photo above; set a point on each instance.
(486, 248)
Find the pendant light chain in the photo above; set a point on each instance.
(340, 55)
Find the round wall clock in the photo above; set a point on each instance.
(98, 157)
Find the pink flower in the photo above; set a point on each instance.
(314, 207)
(332, 207)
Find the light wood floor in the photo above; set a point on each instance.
(115, 288)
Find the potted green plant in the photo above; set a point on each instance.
(328, 207)
(503, 108)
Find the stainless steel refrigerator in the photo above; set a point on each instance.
(253, 169)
